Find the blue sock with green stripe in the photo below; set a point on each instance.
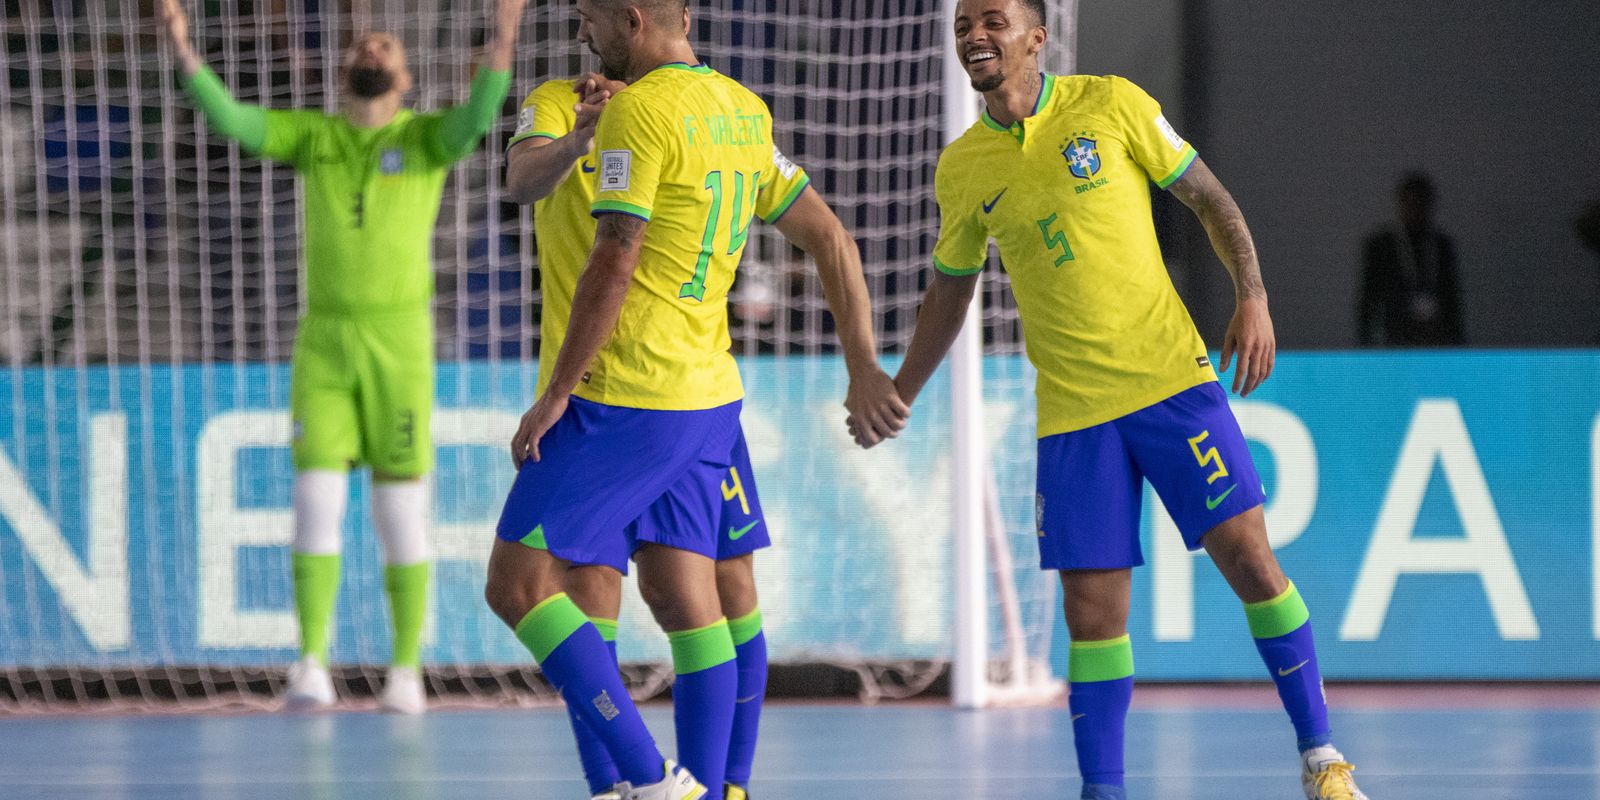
(703, 700)
(577, 662)
(750, 652)
(1101, 674)
(598, 768)
(1282, 630)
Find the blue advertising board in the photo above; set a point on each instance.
(1439, 511)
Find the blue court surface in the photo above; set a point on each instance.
(1414, 744)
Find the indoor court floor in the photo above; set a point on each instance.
(1184, 743)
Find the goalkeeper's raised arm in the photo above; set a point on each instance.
(375, 77)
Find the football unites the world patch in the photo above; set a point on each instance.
(614, 168)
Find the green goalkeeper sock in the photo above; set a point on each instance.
(407, 585)
(316, 586)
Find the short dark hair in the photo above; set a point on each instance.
(663, 12)
(1036, 7)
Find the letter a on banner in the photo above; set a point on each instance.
(1438, 433)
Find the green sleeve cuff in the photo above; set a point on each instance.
(619, 207)
(1178, 171)
(956, 271)
(788, 200)
(245, 124)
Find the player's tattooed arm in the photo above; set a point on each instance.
(596, 305)
(1200, 190)
(1250, 335)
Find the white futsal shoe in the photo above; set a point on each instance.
(1325, 775)
(678, 784)
(310, 686)
(403, 692)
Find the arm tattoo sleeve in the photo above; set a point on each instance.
(621, 229)
(1224, 223)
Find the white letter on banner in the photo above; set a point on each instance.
(471, 541)
(224, 528)
(1438, 432)
(914, 521)
(1288, 513)
(96, 598)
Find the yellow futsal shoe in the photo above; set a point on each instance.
(1325, 775)
(675, 784)
(732, 792)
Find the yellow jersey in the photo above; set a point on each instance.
(690, 151)
(561, 222)
(1065, 194)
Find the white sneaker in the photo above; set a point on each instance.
(1325, 775)
(607, 796)
(403, 692)
(677, 784)
(310, 686)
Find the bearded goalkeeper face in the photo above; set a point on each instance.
(375, 65)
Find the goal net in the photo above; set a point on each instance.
(150, 286)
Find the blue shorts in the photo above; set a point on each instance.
(604, 467)
(1091, 481)
(741, 528)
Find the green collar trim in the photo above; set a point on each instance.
(702, 68)
(1047, 87)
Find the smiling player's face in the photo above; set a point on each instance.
(996, 40)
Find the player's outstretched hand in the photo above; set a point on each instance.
(876, 410)
(1250, 338)
(174, 22)
(538, 419)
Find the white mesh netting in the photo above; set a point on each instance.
(148, 300)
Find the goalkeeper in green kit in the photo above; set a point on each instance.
(362, 379)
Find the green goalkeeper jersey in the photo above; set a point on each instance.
(371, 194)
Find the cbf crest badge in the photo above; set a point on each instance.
(392, 162)
(1082, 157)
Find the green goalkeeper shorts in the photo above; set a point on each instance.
(361, 392)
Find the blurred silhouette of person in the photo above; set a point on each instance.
(1410, 292)
(1587, 226)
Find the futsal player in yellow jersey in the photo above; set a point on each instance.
(1057, 172)
(627, 447)
(551, 162)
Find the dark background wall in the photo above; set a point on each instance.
(1309, 112)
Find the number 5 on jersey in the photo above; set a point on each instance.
(738, 227)
(1054, 238)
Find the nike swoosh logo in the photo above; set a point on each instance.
(743, 700)
(736, 535)
(1076, 717)
(1283, 673)
(586, 166)
(1213, 502)
(989, 206)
